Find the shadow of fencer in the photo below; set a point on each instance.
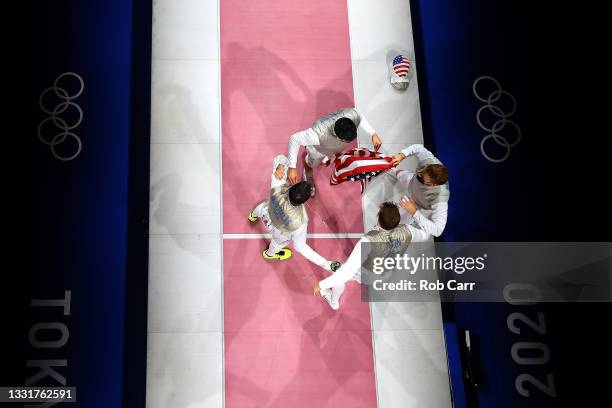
(270, 76)
(331, 344)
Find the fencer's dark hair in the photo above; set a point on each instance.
(388, 216)
(345, 129)
(299, 193)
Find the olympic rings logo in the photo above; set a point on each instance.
(65, 129)
(501, 123)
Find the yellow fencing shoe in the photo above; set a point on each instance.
(283, 254)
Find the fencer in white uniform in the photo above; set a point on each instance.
(391, 238)
(284, 215)
(427, 190)
(328, 135)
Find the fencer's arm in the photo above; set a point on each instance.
(437, 221)
(306, 137)
(366, 127)
(419, 151)
(347, 270)
(279, 160)
(418, 235)
(300, 245)
(364, 124)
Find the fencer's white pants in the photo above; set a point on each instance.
(281, 239)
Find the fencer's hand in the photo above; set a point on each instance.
(280, 172)
(408, 205)
(376, 141)
(396, 159)
(316, 289)
(292, 176)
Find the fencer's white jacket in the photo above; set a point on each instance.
(309, 137)
(351, 269)
(432, 220)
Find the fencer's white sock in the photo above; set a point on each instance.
(259, 210)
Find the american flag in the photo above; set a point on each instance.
(359, 165)
(401, 66)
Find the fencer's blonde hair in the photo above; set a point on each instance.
(438, 173)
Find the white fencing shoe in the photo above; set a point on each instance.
(327, 295)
